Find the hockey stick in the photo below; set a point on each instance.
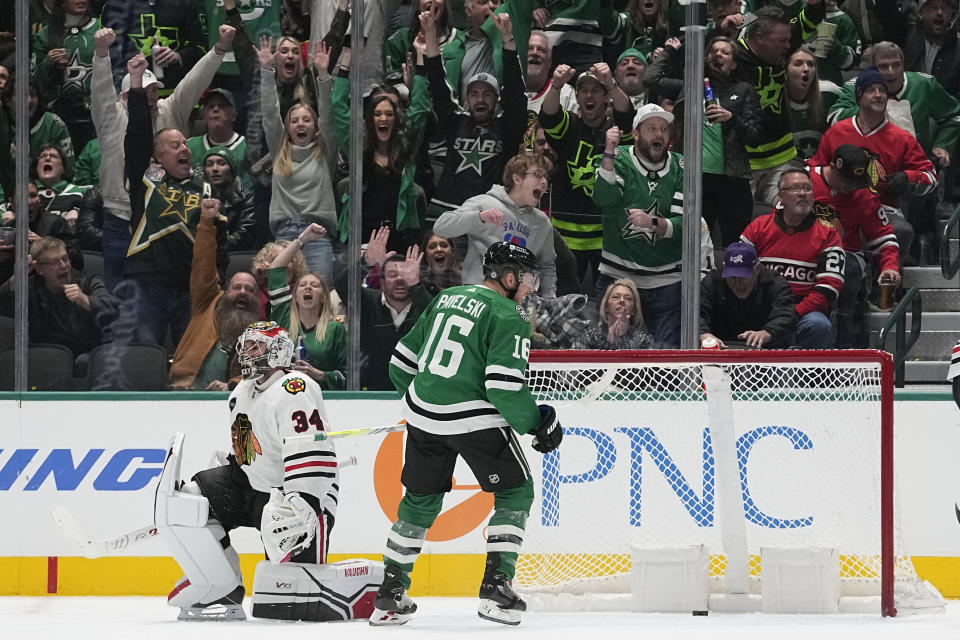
(97, 548)
(349, 433)
(956, 510)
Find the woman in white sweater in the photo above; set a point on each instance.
(303, 159)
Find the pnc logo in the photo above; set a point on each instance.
(454, 521)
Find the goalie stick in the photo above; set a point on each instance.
(99, 548)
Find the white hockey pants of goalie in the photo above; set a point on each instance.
(182, 519)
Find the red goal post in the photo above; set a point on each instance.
(651, 406)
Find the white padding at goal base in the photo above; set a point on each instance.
(800, 580)
(669, 579)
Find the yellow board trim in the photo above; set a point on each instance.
(455, 575)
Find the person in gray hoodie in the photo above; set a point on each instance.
(509, 214)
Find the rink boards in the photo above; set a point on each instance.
(100, 455)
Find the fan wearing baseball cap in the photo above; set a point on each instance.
(577, 138)
(480, 141)
(639, 190)
(742, 301)
(846, 190)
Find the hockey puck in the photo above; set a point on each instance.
(700, 613)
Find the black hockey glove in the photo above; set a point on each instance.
(549, 433)
(895, 184)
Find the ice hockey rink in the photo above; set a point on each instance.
(140, 618)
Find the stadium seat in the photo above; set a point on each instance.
(239, 261)
(49, 368)
(92, 264)
(133, 367)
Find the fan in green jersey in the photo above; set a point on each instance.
(462, 372)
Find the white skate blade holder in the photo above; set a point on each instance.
(490, 610)
(217, 612)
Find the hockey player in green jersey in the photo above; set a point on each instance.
(462, 372)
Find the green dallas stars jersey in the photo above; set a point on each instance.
(629, 251)
(73, 83)
(260, 18)
(462, 367)
(807, 131)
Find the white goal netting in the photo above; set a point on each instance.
(638, 465)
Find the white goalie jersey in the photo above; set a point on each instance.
(264, 416)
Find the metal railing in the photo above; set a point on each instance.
(949, 266)
(897, 321)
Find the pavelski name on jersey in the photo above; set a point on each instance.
(470, 306)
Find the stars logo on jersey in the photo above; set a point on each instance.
(474, 152)
(630, 231)
(770, 92)
(293, 386)
(148, 29)
(580, 170)
(180, 203)
(246, 447)
(76, 74)
(523, 313)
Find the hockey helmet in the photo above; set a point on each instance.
(263, 346)
(503, 257)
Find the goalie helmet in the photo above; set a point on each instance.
(263, 346)
(505, 257)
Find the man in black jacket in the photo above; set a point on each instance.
(746, 302)
(932, 45)
(64, 309)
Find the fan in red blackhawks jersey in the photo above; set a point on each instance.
(845, 187)
(285, 486)
(807, 251)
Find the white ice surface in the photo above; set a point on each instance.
(137, 618)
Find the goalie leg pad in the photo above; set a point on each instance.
(211, 570)
(316, 592)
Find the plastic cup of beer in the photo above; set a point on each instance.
(888, 290)
(824, 39)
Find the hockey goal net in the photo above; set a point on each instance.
(640, 466)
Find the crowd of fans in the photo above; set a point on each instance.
(200, 148)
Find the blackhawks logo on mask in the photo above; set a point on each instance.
(245, 445)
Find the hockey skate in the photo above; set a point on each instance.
(229, 607)
(392, 605)
(498, 601)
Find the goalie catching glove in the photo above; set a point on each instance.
(549, 433)
(287, 526)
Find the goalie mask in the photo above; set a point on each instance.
(504, 257)
(262, 347)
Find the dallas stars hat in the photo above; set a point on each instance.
(648, 111)
(486, 78)
(148, 79)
